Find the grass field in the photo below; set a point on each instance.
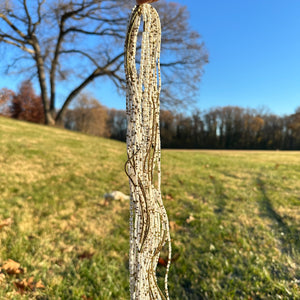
(234, 216)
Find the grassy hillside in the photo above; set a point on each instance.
(235, 219)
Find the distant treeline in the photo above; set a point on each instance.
(228, 127)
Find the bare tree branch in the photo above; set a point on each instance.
(29, 21)
(54, 63)
(17, 60)
(40, 4)
(105, 32)
(81, 53)
(77, 90)
(21, 46)
(17, 30)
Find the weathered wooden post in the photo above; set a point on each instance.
(149, 225)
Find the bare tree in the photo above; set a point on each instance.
(117, 124)
(87, 115)
(70, 43)
(6, 97)
(293, 129)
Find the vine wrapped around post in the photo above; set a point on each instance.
(149, 225)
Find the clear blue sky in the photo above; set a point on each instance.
(254, 48)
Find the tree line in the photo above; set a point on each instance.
(229, 127)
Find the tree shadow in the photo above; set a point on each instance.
(221, 197)
(287, 234)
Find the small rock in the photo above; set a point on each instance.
(116, 195)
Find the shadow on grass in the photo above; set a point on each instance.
(221, 197)
(287, 234)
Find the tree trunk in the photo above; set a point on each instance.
(49, 113)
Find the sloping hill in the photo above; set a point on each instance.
(235, 219)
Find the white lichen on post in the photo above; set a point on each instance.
(149, 226)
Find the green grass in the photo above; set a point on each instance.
(235, 218)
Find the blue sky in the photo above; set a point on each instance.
(254, 48)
